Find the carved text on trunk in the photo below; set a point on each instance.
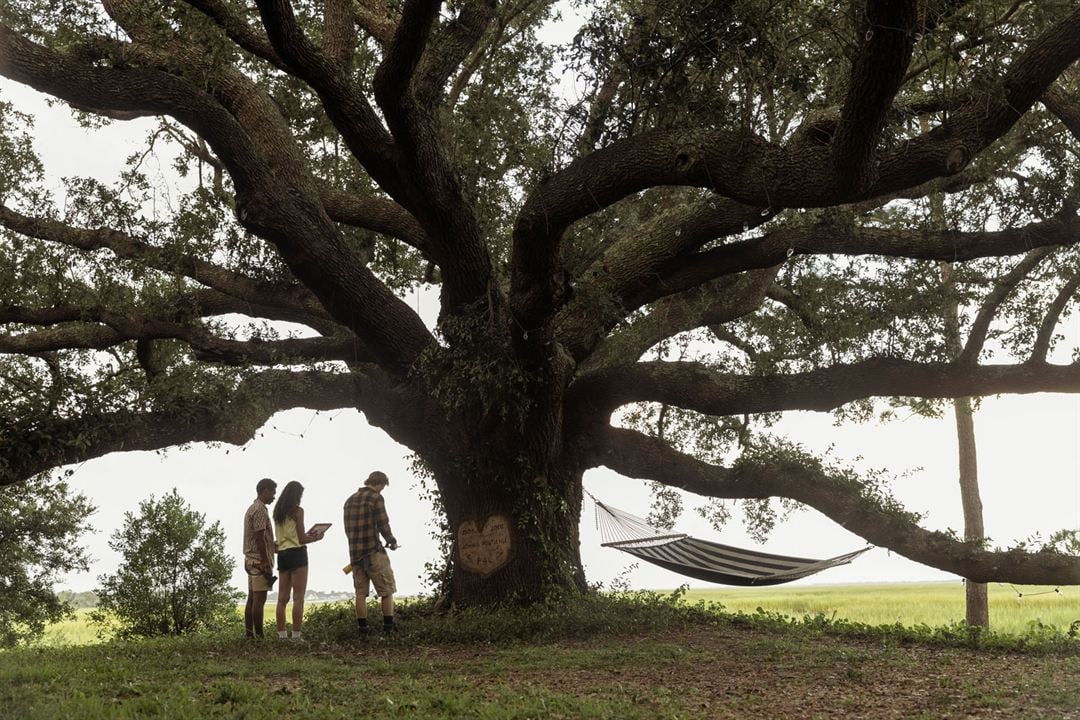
(484, 550)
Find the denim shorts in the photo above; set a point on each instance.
(292, 559)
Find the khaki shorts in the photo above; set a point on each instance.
(378, 574)
(258, 582)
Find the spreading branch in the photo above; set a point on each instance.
(698, 387)
(845, 501)
(1002, 288)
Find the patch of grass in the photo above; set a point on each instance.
(638, 655)
(76, 630)
(908, 604)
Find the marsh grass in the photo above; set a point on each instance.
(908, 604)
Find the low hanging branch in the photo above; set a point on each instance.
(845, 501)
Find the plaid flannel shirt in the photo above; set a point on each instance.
(365, 520)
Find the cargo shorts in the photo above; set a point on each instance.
(375, 570)
(257, 581)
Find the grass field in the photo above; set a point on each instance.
(630, 656)
(909, 604)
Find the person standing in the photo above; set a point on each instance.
(258, 556)
(292, 544)
(365, 521)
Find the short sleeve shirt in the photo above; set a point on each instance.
(256, 519)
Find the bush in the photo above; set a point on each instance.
(174, 574)
(40, 525)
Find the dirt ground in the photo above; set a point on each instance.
(732, 672)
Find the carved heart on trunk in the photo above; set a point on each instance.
(483, 551)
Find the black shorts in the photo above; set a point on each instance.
(292, 559)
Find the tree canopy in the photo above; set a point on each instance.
(727, 218)
(41, 523)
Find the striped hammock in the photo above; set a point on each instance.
(702, 559)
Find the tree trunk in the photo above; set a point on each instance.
(514, 539)
(978, 611)
(976, 601)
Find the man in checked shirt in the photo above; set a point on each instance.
(365, 520)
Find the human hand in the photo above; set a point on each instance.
(393, 545)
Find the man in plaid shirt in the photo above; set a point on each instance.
(365, 521)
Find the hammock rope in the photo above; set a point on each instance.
(703, 559)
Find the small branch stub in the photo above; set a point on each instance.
(483, 550)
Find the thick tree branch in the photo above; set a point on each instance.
(347, 108)
(28, 449)
(846, 502)
(949, 246)
(114, 329)
(238, 30)
(746, 168)
(375, 18)
(1065, 108)
(277, 202)
(876, 76)
(296, 299)
(633, 262)
(714, 303)
(380, 215)
(452, 46)
(701, 388)
(339, 31)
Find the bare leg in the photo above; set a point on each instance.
(258, 603)
(249, 609)
(361, 607)
(388, 605)
(299, 578)
(284, 587)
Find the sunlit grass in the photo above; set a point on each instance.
(73, 631)
(910, 604)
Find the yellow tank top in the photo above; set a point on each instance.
(286, 534)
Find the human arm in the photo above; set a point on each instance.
(382, 521)
(305, 537)
(265, 541)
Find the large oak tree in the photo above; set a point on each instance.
(724, 219)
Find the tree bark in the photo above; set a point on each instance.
(977, 609)
(513, 538)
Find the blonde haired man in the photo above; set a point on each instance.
(365, 521)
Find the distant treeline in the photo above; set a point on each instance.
(79, 600)
(89, 599)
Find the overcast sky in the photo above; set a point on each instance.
(1029, 455)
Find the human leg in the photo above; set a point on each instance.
(361, 586)
(258, 598)
(382, 577)
(249, 624)
(299, 588)
(285, 580)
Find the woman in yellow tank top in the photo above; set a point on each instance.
(292, 543)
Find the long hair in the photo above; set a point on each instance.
(288, 501)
